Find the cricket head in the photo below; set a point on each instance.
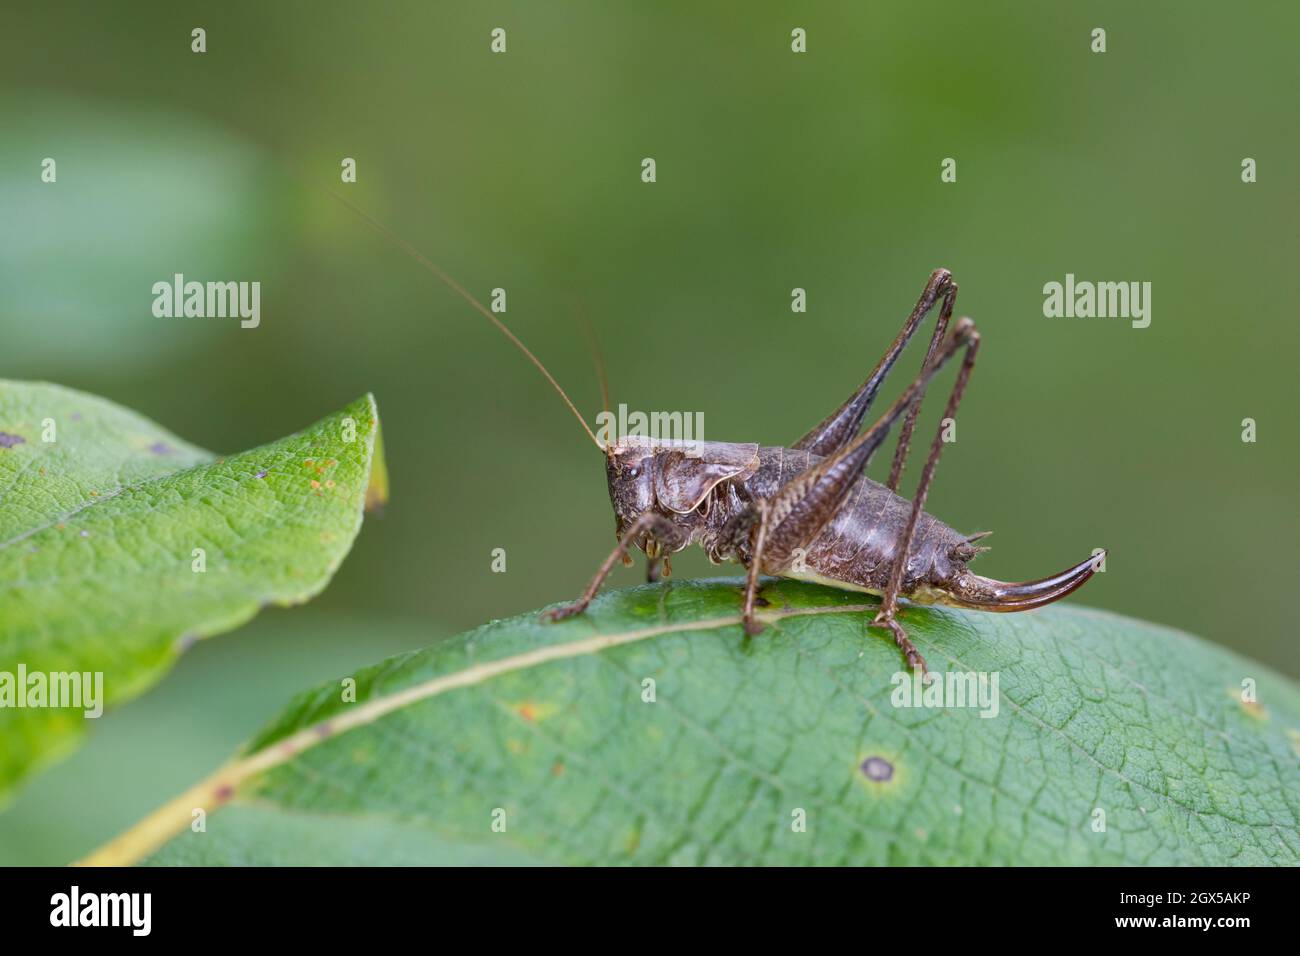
(675, 480)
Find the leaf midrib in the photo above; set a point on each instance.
(282, 750)
(99, 500)
(218, 789)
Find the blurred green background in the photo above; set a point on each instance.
(775, 170)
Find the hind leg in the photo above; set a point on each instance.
(887, 617)
(841, 425)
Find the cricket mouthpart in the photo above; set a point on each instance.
(985, 594)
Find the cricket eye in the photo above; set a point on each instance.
(634, 472)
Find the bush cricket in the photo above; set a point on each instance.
(808, 511)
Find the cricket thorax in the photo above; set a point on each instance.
(696, 487)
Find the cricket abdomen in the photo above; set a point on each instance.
(859, 545)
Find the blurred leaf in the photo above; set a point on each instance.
(215, 698)
(141, 194)
(548, 724)
(98, 529)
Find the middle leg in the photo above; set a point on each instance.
(752, 626)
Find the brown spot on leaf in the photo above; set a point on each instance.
(161, 448)
(224, 793)
(877, 769)
(8, 441)
(1255, 709)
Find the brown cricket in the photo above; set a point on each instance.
(808, 511)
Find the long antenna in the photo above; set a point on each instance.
(460, 290)
(597, 356)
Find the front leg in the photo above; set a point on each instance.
(649, 521)
(657, 568)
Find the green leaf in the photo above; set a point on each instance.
(549, 723)
(101, 513)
